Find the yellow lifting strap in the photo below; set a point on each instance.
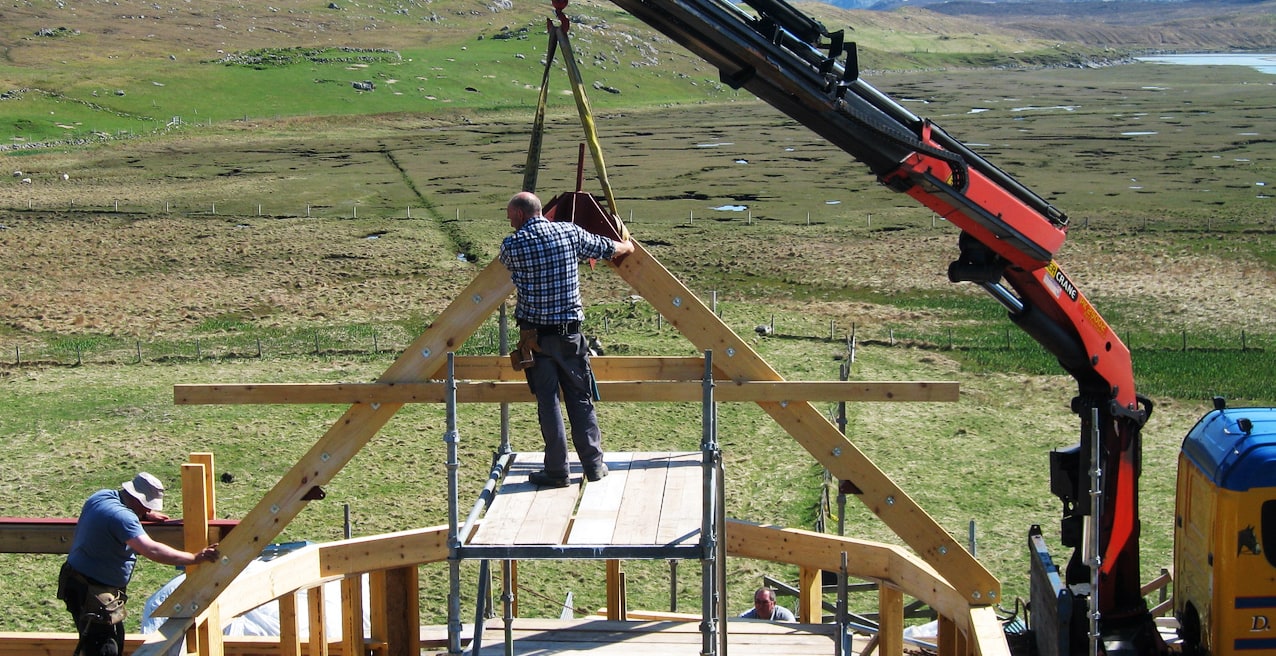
(558, 37)
(532, 168)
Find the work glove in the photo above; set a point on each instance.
(528, 343)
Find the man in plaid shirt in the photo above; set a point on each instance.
(544, 261)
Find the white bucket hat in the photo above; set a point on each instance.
(146, 489)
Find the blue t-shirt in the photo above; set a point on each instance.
(100, 548)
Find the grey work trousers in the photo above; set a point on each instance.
(563, 364)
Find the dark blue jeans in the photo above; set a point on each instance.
(563, 365)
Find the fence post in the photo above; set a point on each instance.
(79, 355)
(139, 351)
(1185, 341)
(258, 348)
(17, 355)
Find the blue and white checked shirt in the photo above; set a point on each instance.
(544, 257)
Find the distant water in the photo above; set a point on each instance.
(1265, 62)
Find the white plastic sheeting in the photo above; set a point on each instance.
(263, 620)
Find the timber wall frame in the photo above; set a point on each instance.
(390, 561)
(413, 370)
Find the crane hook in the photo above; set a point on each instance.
(559, 6)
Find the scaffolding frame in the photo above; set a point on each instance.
(709, 549)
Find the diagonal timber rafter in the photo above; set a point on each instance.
(329, 455)
(735, 358)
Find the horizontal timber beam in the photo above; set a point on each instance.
(513, 392)
(54, 535)
(605, 367)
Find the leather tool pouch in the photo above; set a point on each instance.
(521, 357)
(102, 604)
(105, 604)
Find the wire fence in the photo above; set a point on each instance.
(389, 339)
(42, 200)
(1187, 364)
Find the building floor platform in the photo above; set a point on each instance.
(599, 637)
(647, 499)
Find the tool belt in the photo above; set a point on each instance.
(102, 604)
(559, 329)
(529, 335)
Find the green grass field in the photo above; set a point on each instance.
(286, 208)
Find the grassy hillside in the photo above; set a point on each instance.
(286, 207)
(98, 69)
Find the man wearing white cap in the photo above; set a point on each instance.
(108, 538)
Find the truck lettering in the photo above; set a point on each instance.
(1060, 277)
(1260, 623)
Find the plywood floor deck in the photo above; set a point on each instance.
(599, 637)
(651, 499)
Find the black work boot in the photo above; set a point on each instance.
(547, 480)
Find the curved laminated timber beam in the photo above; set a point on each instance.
(889, 565)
